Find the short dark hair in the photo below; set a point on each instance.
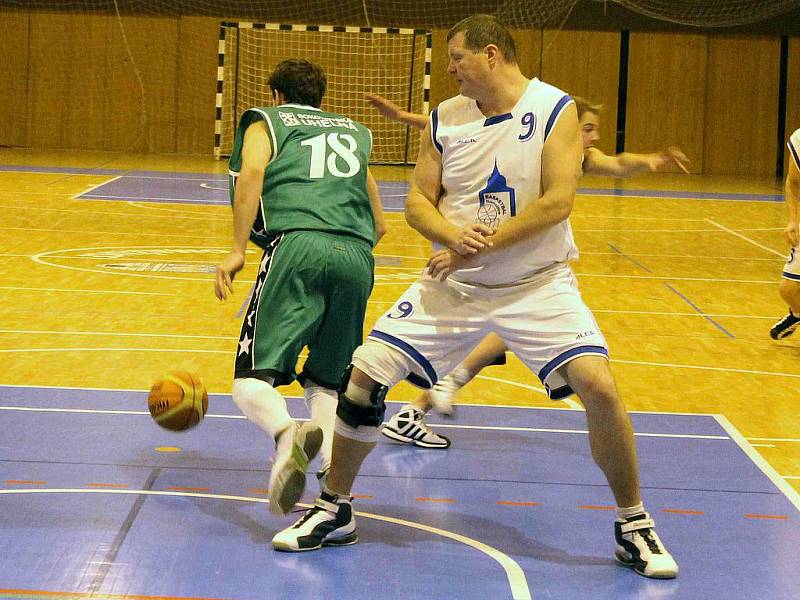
(300, 81)
(482, 30)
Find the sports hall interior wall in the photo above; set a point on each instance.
(714, 93)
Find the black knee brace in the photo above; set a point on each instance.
(357, 414)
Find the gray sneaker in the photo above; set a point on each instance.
(288, 477)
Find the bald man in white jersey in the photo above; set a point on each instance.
(493, 188)
(790, 277)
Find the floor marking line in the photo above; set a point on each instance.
(92, 188)
(478, 405)
(435, 425)
(776, 517)
(23, 350)
(700, 311)
(763, 439)
(682, 511)
(791, 494)
(703, 368)
(514, 573)
(81, 291)
(111, 556)
(120, 334)
(746, 239)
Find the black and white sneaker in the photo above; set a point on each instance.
(329, 522)
(408, 426)
(785, 327)
(288, 477)
(639, 547)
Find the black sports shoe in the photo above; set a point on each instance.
(785, 327)
(329, 522)
(639, 547)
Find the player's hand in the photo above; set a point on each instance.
(443, 262)
(474, 238)
(386, 107)
(672, 156)
(791, 234)
(226, 272)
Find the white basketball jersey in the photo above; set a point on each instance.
(491, 171)
(794, 147)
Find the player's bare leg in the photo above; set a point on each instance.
(614, 450)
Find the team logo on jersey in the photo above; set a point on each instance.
(463, 141)
(497, 200)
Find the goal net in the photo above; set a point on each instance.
(394, 63)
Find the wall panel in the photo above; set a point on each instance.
(196, 84)
(586, 64)
(792, 93)
(666, 94)
(14, 35)
(741, 106)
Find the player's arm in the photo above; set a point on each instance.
(377, 208)
(628, 164)
(256, 154)
(791, 190)
(561, 171)
(422, 211)
(390, 110)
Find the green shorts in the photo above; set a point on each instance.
(311, 290)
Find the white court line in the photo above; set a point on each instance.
(763, 445)
(17, 288)
(477, 404)
(205, 186)
(791, 476)
(791, 494)
(626, 230)
(627, 196)
(746, 239)
(168, 209)
(568, 401)
(104, 411)
(514, 573)
(668, 278)
(703, 368)
(113, 234)
(81, 210)
(119, 334)
(91, 188)
(762, 439)
(691, 256)
(25, 350)
(167, 200)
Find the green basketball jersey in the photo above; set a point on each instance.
(317, 178)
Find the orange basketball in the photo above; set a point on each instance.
(178, 401)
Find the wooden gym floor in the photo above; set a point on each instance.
(109, 290)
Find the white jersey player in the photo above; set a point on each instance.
(510, 279)
(790, 278)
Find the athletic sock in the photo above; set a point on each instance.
(626, 513)
(262, 404)
(321, 403)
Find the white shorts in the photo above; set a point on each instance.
(543, 321)
(791, 269)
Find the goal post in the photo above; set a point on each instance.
(392, 62)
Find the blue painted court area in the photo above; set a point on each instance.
(91, 503)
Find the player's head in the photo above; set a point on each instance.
(476, 45)
(589, 120)
(299, 81)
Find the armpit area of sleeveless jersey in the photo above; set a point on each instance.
(794, 147)
(491, 171)
(317, 179)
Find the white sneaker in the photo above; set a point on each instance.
(329, 522)
(288, 477)
(407, 426)
(639, 547)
